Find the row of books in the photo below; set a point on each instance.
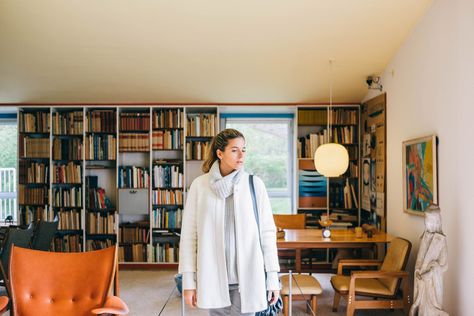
(97, 199)
(134, 121)
(68, 123)
(67, 173)
(307, 145)
(169, 197)
(342, 216)
(345, 135)
(169, 118)
(67, 243)
(167, 176)
(320, 116)
(100, 147)
(197, 150)
(29, 214)
(33, 172)
(69, 220)
(134, 142)
(167, 218)
(352, 170)
(133, 177)
(36, 196)
(343, 195)
(161, 252)
(169, 139)
(67, 149)
(97, 244)
(201, 124)
(33, 147)
(67, 197)
(98, 223)
(134, 234)
(35, 122)
(101, 121)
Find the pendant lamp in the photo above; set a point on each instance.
(331, 159)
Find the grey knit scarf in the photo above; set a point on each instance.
(223, 186)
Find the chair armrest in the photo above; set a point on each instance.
(3, 304)
(357, 263)
(113, 305)
(378, 274)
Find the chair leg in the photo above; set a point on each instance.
(335, 304)
(314, 304)
(350, 306)
(286, 301)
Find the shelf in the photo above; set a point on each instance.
(68, 135)
(135, 132)
(34, 185)
(312, 208)
(69, 231)
(167, 128)
(36, 158)
(101, 236)
(67, 184)
(99, 167)
(66, 161)
(134, 151)
(67, 208)
(198, 138)
(100, 159)
(169, 188)
(101, 133)
(101, 210)
(167, 205)
(161, 163)
(44, 134)
(170, 149)
(133, 243)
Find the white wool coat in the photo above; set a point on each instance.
(202, 248)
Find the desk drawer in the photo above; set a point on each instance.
(133, 201)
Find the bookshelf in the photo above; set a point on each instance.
(133, 183)
(338, 197)
(67, 170)
(100, 139)
(119, 174)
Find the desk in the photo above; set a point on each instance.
(298, 239)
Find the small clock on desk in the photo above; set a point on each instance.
(326, 231)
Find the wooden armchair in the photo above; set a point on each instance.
(383, 284)
(51, 283)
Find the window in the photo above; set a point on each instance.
(8, 158)
(269, 142)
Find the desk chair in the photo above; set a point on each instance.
(51, 283)
(382, 285)
(294, 221)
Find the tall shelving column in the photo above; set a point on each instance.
(167, 182)
(33, 163)
(100, 144)
(67, 168)
(133, 184)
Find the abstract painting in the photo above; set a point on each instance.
(420, 183)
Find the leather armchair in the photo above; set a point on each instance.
(382, 284)
(49, 283)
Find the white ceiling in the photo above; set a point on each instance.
(197, 51)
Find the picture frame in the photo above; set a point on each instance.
(420, 174)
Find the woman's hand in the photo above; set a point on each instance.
(190, 298)
(273, 297)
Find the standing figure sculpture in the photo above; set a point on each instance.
(431, 263)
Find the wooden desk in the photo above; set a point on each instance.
(313, 239)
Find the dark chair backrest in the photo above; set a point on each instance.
(18, 237)
(43, 235)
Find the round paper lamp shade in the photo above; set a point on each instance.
(331, 160)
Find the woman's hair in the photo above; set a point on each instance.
(220, 142)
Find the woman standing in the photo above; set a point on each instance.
(221, 259)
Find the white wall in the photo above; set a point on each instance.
(430, 89)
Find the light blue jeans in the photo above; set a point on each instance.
(234, 308)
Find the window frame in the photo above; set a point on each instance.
(269, 118)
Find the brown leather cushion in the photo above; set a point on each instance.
(369, 286)
(301, 284)
(394, 261)
(48, 283)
